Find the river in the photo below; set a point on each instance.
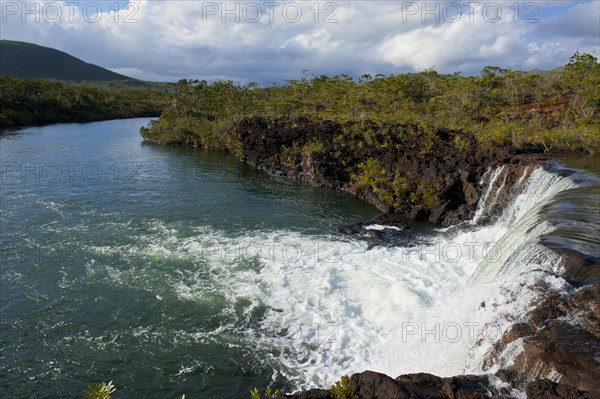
(175, 271)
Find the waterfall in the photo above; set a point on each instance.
(519, 245)
(483, 201)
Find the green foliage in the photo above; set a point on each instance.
(312, 147)
(502, 106)
(39, 102)
(423, 115)
(255, 393)
(100, 391)
(373, 176)
(400, 189)
(268, 393)
(342, 389)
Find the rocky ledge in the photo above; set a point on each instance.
(372, 385)
(417, 172)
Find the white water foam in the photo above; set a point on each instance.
(380, 227)
(334, 307)
(483, 201)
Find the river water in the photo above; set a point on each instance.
(175, 271)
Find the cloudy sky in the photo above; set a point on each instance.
(271, 41)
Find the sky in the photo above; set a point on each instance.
(273, 41)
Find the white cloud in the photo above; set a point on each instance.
(176, 39)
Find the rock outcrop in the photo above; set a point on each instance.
(440, 170)
(372, 385)
(560, 339)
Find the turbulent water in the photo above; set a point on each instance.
(172, 271)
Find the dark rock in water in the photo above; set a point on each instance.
(464, 386)
(546, 389)
(580, 270)
(418, 212)
(439, 211)
(559, 349)
(386, 230)
(561, 340)
(373, 385)
(386, 220)
(313, 394)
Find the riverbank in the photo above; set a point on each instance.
(41, 102)
(402, 169)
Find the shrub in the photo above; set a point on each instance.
(100, 391)
(342, 389)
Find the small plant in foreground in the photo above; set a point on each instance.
(342, 389)
(269, 393)
(100, 391)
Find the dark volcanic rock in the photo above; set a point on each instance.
(546, 389)
(313, 394)
(580, 270)
(561, 340)
(442, 177)
(372, 385)
(560, 350)
(464, 386)
(386, 231)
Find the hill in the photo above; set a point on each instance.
(28, 60)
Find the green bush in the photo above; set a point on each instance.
(100, 391)
(342, 389)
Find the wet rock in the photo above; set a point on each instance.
(313, 394)
(444, 180)
(387, 230)
(439, 212)
(580, 270)
(373, 385)
(386, 222)
(418, 213)
(465, 386)
(546, 389)
(560, 350)
(586, 304)
(471, 194)
(560, 339)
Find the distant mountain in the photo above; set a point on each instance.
(27, 60)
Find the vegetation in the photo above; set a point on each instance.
(369, 133)
(39, 102)
(557, 110)
(269, 393)
(100, 391)
(342, 389)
